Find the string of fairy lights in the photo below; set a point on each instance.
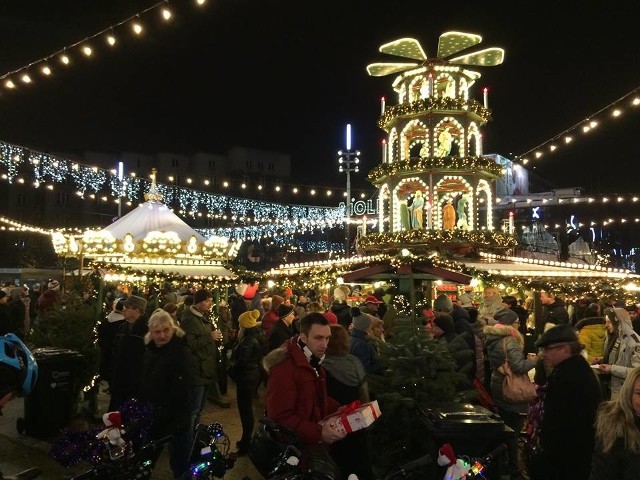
(613, 111)
(86, 48)
(95, 182)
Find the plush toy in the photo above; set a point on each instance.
(456, 469)
(114, 431)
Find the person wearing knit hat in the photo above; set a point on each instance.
(245, 370)
(283, 329)
(371, 305)
(504, 343)
(201, 296)
(360, 320)
(465, 300)
(331, 317)
(444, 327)
(359, 345)
(271, 316)
(628, 351)
(203, 342)
(249, 319)
(506, 316)
(442, 304)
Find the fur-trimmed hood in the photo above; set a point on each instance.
(495, 333)
(277, 356)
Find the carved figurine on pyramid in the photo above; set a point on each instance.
(416, 210)
(461, 210)
(448, 216)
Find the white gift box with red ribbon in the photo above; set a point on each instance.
(354, 416)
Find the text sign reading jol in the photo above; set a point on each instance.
(361, 207)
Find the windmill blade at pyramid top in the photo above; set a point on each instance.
(404, 47)
(382, 69)
(489, 57)
(453, 42)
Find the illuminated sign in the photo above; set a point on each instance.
(361, 207)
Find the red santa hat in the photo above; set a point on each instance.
(446, 456)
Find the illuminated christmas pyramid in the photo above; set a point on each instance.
(433, 178)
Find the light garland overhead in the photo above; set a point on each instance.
(44, 67)
(91, 181)
(612, 111)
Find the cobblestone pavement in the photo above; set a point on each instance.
(19, 451)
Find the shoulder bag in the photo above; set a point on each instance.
(516, 387)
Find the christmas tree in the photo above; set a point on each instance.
(420, 373)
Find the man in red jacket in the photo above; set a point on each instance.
(297, 388)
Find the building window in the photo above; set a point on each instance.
(212, 164)
(271, 168)
(175, 162)
(21, 198)
(260, 166)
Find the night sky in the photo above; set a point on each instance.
(287, 75)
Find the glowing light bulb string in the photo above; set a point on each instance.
(83, 41)
(636, 102)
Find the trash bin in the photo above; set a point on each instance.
(49, 406)
(473, 432)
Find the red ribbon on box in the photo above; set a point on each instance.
(350, 408)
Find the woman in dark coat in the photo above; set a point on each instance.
(247, 359)
(165, 385)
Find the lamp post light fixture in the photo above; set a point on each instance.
(122, 188)
(348, 161)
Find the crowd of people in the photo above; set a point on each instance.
(176, 349)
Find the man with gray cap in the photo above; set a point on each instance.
(566, 432)
(359, 344)
(128, 353)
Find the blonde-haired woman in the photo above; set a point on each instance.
(165, 384)
(617, 451)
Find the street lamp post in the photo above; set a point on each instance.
(348, 160)
(121, 187)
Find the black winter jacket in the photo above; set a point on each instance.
(567, 429)
(247, 357)
(127, 360)
(166, 380)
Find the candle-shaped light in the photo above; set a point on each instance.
(431, 92)
(384, 151)
(485, 93)
(382, 105)
(348, 136)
